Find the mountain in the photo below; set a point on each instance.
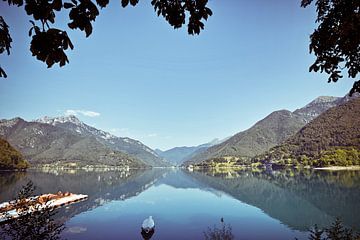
(216, 141)
(333, 138)
(318, 106)
(10, 158)
(42, 143)
(127, 145)
(178, 155)
(268, 132)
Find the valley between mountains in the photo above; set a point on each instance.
(325, 132)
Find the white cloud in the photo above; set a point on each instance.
(82, 112)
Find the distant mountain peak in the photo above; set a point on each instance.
(78, 126)
(323, 99)
(316, 107)
(11, 122)
(130, 146)
(61, 119)
(16, 119)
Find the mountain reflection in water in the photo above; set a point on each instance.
(271, 205)
(298, 199)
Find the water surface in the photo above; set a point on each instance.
(257, 205)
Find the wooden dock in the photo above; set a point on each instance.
(14, 209)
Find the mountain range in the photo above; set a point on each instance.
(178, 155)
(67, 140)
(123, 144)
(268, 132)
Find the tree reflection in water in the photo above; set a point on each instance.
(299, 198)
(224, 232)
(335, 232)
(35, 226)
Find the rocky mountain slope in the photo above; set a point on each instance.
(333, 138)
(268, 132)
(318, 106)
(10, 158)
(42, 143)
(127, 145)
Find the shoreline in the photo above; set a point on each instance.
(331, 168)
(338, 168)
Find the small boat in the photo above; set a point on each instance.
(148, 224)
(148, 228)
(14, 209)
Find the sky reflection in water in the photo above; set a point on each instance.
(268, 205)
(178, 214)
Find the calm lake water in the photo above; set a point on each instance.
(257, 205)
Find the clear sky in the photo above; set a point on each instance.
(135, 76)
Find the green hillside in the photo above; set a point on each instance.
(269, 132)
(332, 139)
(10, 158)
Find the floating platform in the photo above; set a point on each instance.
(14, 209)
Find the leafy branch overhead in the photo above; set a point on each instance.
(5, 41)
(49, 44)
(336, 41)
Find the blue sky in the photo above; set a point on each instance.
(135, 76)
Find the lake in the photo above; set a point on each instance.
(184, 204)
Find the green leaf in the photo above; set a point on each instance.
(124, 3)
(2, 73)
(68, 5)
(88, 29)
(134, 2)
(30, 31)
(57, 5)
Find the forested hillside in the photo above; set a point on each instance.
(331, 139)
(10, 158)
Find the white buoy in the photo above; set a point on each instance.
(148, 224)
